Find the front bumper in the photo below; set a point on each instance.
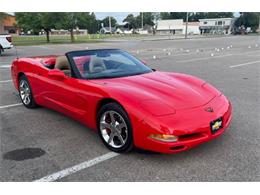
(191, 126)
(9, 47)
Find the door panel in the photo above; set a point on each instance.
(62, 95)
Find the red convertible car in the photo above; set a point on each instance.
(125, 101)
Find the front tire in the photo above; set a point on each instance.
(25, 93)
(114, 128)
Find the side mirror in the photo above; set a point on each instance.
(57, 74)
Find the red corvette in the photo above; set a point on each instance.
(125, 101)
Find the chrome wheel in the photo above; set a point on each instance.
(113, 129)
(25, 92)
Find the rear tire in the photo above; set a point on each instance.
(25, 93)
(114, 128)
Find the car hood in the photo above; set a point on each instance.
(178, 91)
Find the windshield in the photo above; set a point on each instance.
(108, 63)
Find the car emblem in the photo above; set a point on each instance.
(209, 109)
(217, 125)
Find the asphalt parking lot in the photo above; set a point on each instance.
(232, 64)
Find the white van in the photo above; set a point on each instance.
(5, 42)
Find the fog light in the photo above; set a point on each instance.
(164, 137)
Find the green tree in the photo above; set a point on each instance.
(2, 16)
(219, 15)
(173, 15)
(195, 16)
(105, 21)
(88, 21)
(248, 19)
(131, 20)
(48, 22)
(82, 20)
(148, 18)
(29, 21)
(156, 16)
(165, 15)
(92, 24)
(69, 21)
(136, 22)
(38, 21)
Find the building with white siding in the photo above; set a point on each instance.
(176, 26)
(216, 25)
(165, 27)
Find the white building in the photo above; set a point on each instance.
(193, 28)
(64, 32)
(169, 27)
(123, 31)
(177, 26)
(216, 25)
(142, 32)
(107, 30)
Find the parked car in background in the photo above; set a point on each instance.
(5, 42)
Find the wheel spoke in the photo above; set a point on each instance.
(22, 85)
(112, 135)
(27, 99)
(121, 126)
(120, 138)
(103, 124)
(111, 114)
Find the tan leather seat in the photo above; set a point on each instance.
(62, 64)
(96, 65)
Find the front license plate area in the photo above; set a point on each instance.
(216, 125)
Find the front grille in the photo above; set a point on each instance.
(190, 136)
(177, 147)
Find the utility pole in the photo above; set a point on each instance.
(109, 21)
(142, 20)
(259, 23)
(186, 29)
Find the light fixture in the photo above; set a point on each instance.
(164, 137)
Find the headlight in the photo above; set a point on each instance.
(164, 137)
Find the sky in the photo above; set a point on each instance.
(119, 16)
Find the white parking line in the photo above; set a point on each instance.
(11, 105)
(248, 52)
(244, 64)
(198, 59)
(5, 81)
(5, 66)
(42, 47)
(77, 168)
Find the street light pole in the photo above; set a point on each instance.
(186, 29)
(142, 20)
(259, 23)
